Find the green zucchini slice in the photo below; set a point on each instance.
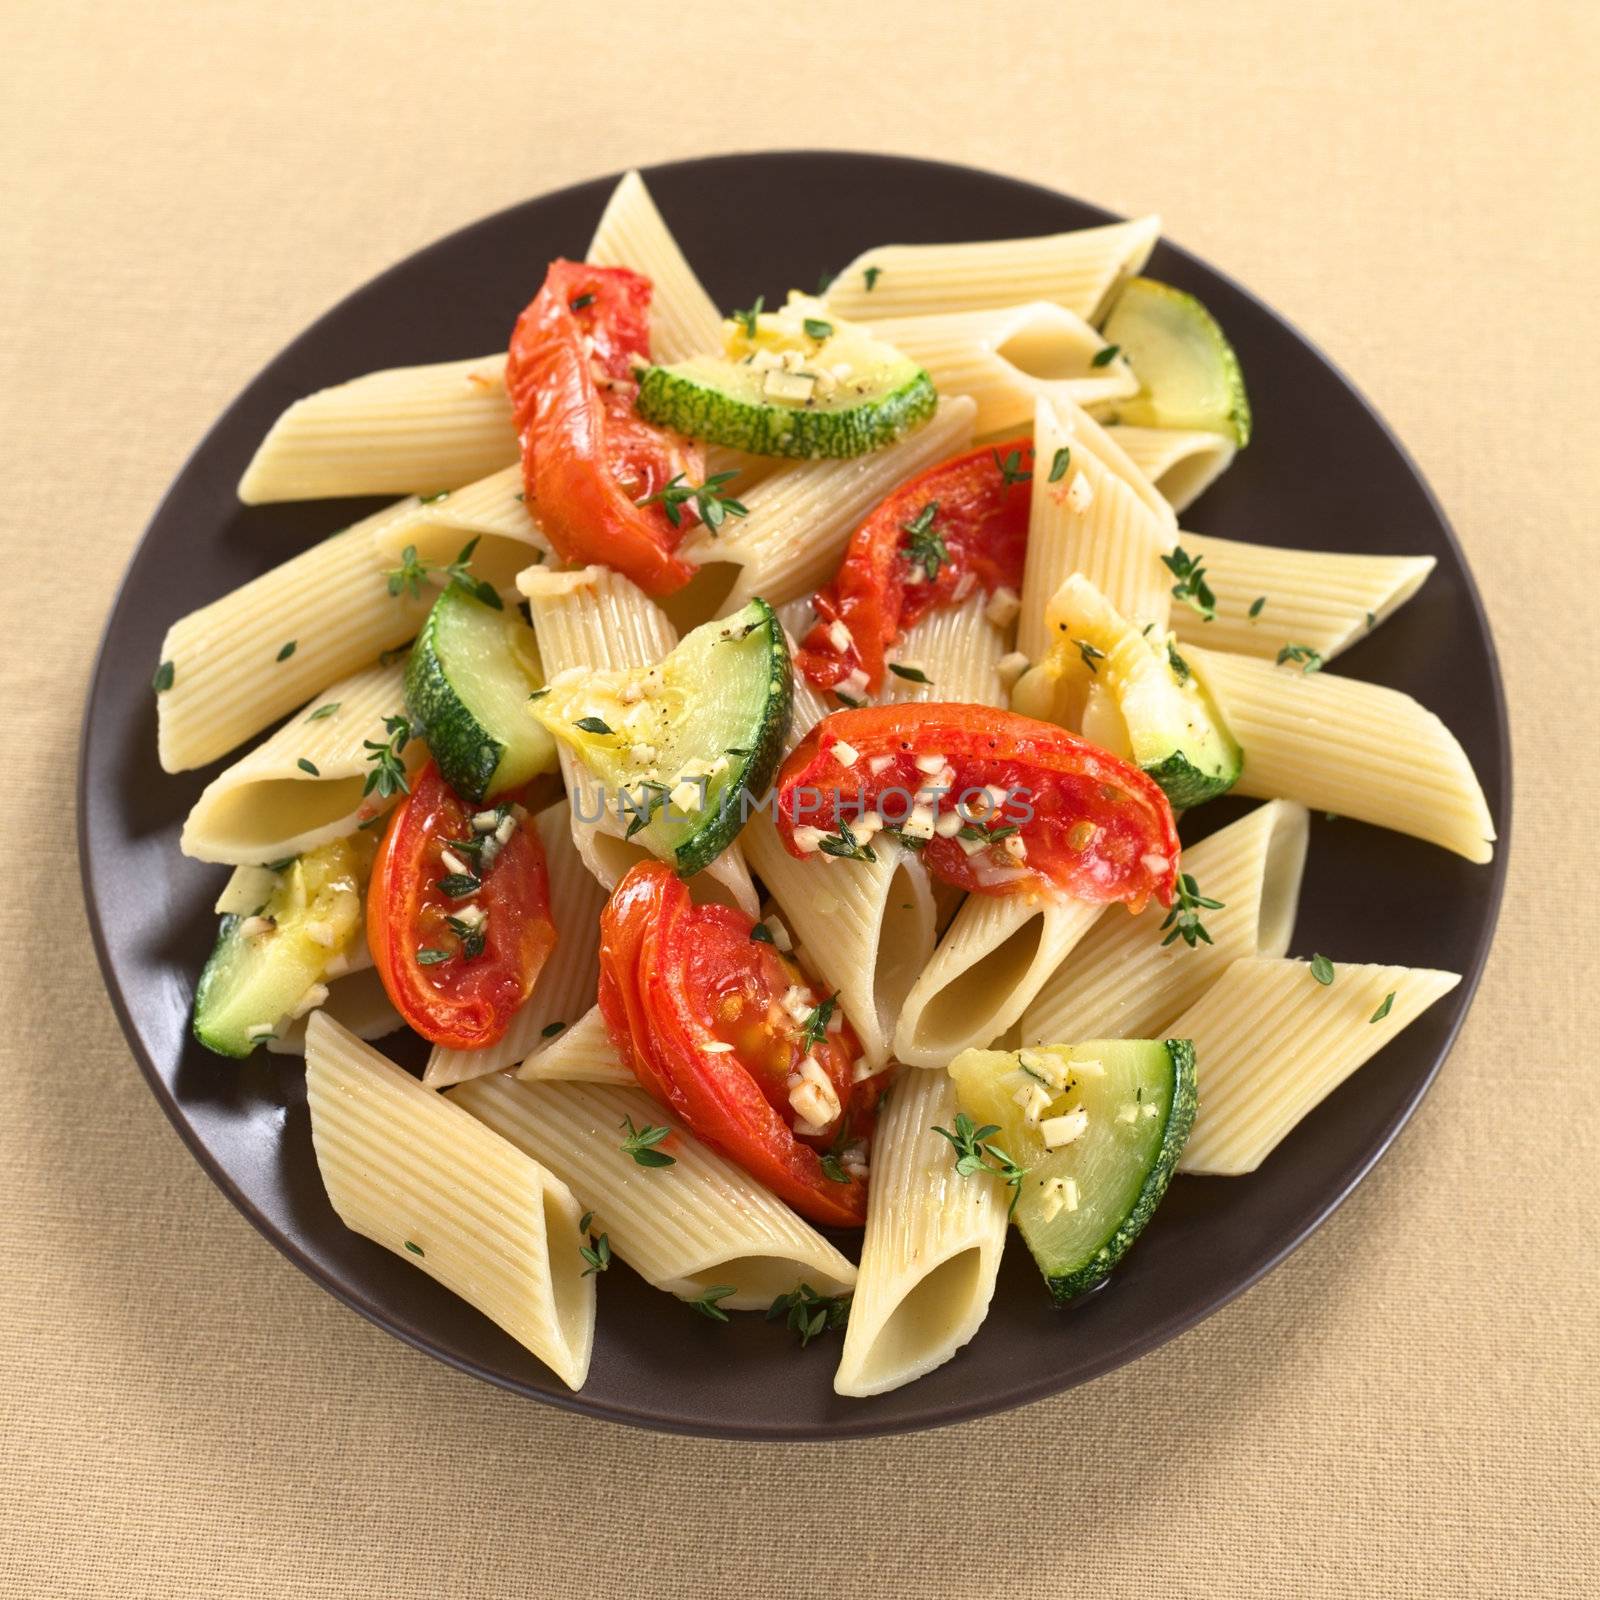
(267, 964)
(794, 382)
(680, 745)
(1098, 1129)
(1189, 376)
(471, 672)
(1132, 693)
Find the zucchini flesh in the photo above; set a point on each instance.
(795, 382)
(1131, 693)
(1189, 375)
(687, 739)
(1082, 1203)
(471, 672)
(263, 964)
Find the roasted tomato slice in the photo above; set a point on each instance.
(958, 527)
(727, 1033)
(458, 913)
(997, 802)
(587, 459)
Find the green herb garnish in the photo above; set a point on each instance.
(580, 302)
(924, 546)
(1011, 468)
(871, 275)
(429, 957)
(748, 318)
(713, 506)
(1184, 917)
(415, 1249)
(1191, 586)
(593, 725)
(1303, 655)
(845, 846)
(1384, 1009)
(762, 934)
(976, 1153)
(287, 650)
(1060, 462)
(1322, 970)
(1104, 358)
(641, 1145)
(388, 775)
(706, 1301)
(597, 1252)
(1256, 605)
(473, 935)
(815, 1028)
(164, 674)
(308, 766)
(551, 1029)
(323, 711)
(809, 1313)
(910, 674)
(1089, 653)
(817, 329)
(458, 885)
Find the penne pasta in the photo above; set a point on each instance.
(1089, 521)
(1007, 360)
(801, 517)
(932, 1248)
(406, 430)
(598, 619)
(1357, 749)
(1181, 462)
(1079, 270)
(991, 963)
(230, 674)
(307, 784)
(418, 1175)
(491, 511)
(958, 649)
(1309, 597)
(1123, 982)
(356, 1001)
(631, 233)
(865, 927)
(1271, 1043)
(566, 985)
(581, 1053)
(697, 1224)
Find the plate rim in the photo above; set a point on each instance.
(862, 1424)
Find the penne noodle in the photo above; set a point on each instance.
(801, 517)
(1271, 1043)
(581, 1053)
(1006, 361)
(1181, 462)
(1311, 597)
(1079, 270)
(1357, 749)
(932, 1249)
(697, 1224)
(991, 963)
(306, 785)
(1123, 982)
(421, 1177)
(406, 430)
(683, 320)
(1088, 521)
(230, 676)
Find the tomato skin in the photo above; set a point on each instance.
(667, 967)
(1092, 825)
(587, 459)
(461, 1004)
(877, 593)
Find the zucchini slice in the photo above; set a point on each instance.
(679, 745)
(1098, 1129)
(1132, 693)
(795, 382)
(1189, 376)
(266, 965)
(471, 672)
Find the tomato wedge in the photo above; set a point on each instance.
(587, 459)
(458, 913)
(997, 802)
(961, 525)
(727, 1033)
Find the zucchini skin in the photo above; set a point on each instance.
(1180, 1120)
(1185, 785)
(755, 776)
(212, 978)
(688, 405)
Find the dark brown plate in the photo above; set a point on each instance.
(1323, 473)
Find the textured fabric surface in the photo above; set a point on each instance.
(1407, 1406)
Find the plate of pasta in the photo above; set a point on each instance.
(797, 828)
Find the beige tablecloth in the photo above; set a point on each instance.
(1408, 1406)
